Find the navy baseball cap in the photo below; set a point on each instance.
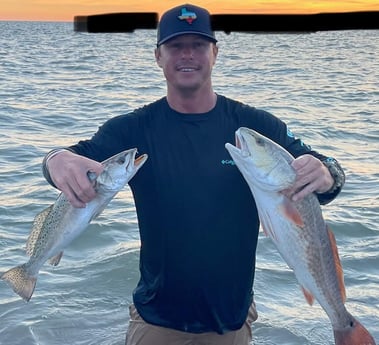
(185, 19)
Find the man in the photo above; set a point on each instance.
(197, 217)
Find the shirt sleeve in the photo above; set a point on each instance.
(297, 148)
(112, 137)
(278, 131)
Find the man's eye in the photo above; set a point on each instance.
(175, 46)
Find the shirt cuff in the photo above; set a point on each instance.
(45, 169)
(339, 178)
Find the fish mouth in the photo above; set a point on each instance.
(130, 160)
(140, 159)
(240, 147)
(238, 142)
(241, 144)
(133, 161)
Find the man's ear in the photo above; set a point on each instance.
(157, 53)
(215, 52)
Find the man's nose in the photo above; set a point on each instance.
(187, 51)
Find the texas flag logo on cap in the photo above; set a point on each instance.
(188, 16)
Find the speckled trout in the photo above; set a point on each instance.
(298, 230)
(58, 225)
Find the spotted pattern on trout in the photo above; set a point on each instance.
(44, 224)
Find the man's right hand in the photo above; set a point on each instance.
(69, 171)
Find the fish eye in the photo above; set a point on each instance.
(121, 160)
(259, 141)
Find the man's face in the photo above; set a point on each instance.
(187, 61)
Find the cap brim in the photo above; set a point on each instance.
(209, 37)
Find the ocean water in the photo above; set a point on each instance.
(58, 86)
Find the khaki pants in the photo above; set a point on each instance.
(142, 333)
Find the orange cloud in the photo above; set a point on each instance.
(65, 10)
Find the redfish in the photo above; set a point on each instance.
(298, 230)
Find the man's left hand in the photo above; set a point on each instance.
(311, 176)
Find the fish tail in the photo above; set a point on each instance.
(355, 334)
(20, 281)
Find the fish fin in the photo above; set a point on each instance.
(308, 296)
(355, 333)
(54, 261)
(20, 281)
(266, 225)
(290, 212)
(338, 264)
(38, 222)
(265, 231)
(268, 233)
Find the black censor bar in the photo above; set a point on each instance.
(128, 22)
(116, 22)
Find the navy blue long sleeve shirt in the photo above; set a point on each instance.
(197, 217)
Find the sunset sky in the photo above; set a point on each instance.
(65, 10)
